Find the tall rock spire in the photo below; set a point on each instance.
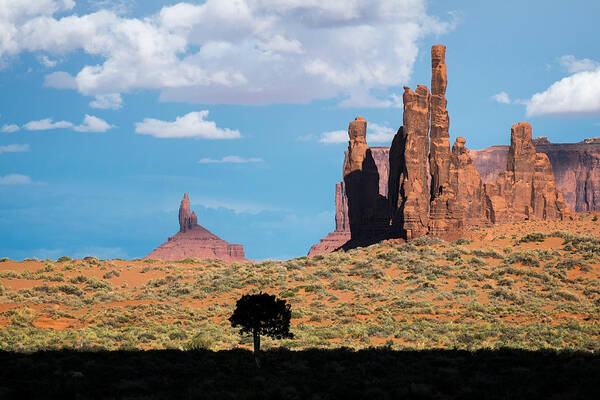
(446, 215)
(361, 180)
(408, 185)
(439, 153)
(187, 219)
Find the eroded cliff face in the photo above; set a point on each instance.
(410, 147)
(526, 189)
(433, 189)
(576, 168)
(194, 241)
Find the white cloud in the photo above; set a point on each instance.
(375, 134)
(15, 179)
(230, 159)
(578, 94)
(14, 148)
(60, 80)
(46, 124)
(47, 62)
(89, 124)
(379, 133)
(192, 124)
(573, 65)
(502, 97)
(9, 128)
(112, 101)
(93, 124)
(293, 50)
(334, 137)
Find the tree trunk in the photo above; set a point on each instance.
(256, 348)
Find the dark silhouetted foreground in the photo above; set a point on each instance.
(316, 374)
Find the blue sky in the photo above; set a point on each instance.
(111, 110)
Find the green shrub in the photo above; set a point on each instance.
(63, 259)
(460, 241)
(199, 342)
(78, 279)
(70, 289)
(533, 237)
(526, 258)
(110, 274)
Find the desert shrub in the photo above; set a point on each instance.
(489, 253)
(595, 218)
(78, 279)
(70, 289)
(460, 241)
(110, 274)
(22, 317)
(571, 262)
(453, 254)
(178, 335)
(146, 337)
(426, 241)
(4, 259)
(188, 261)
(526, 258)
(63, 259)
(532, 237)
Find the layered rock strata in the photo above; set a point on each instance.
(526, 189)
(433, 189)
(194, 241)
(367, 210)
(576, 168)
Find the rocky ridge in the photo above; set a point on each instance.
(436, 190)
(194, 241)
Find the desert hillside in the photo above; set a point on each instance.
(526, 285)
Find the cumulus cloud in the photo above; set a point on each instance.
(112, 101)
(15, 179)
(575, 95)
(376, 133)
(10, 128)
(230, 159)
(293, 51)
(502, 97)
(89, 124)
(60, 80)
(574, 65)
(190, 125)
(14, 148)
(46, 124)
(334, 137)
(93, 124)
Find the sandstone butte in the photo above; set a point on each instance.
(194, 241)
(422, 186)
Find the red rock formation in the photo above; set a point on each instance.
(336, 239)
(526, 189)
(470, 193)
(435, 190)
(367, 210)
(445, 216)
(409, 191)
(576, 168)
(194, 241)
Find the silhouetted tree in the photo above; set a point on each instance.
(262, 314)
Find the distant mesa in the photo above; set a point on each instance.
(421, 185)
(194, 241)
